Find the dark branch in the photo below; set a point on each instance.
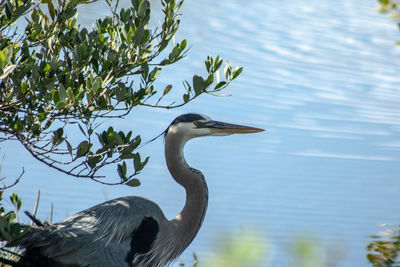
(15, 182)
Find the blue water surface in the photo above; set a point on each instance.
(321, 77)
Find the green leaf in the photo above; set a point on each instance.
(210, 80)
(121, 169)
(63, 93)
(70, 95)
(236, 72)
(183, 44)
(175, 53)
(60, 105)
(137, 163)
(7, 71)
(83, 149)
(2, 60)
(167, 89)
(198, 84)
(135, 142)
(8, 52)
(145, 71)
(52, 11)
(127, 150)
(154, 74)
(127, 156)
(219, 85)
(217, 63)
(186, 97)
(69, 147)
(46, 68)
(16, 201)
(10, 216)
(208, 65)
(133, 182)
(82, 130)
(93, 160)
(57, 136)
(145, 162)
(143, 7)
(227, 71)
(114, 138)
(97, 84)
(56, 96)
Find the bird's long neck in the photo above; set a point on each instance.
(189, 220)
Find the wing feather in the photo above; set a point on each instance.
(98, 236)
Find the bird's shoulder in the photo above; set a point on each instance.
(108, 226)
(114, 219)
(129, 206)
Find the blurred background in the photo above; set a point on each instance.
(322, 78)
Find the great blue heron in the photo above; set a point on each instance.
(132, 231)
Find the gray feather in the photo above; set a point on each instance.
(104, 229)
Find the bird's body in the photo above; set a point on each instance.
(105, 229)
(132, 231)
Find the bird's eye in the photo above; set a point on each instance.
(196, 123)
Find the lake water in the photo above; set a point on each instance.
(322, 78)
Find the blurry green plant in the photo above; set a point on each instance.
(388, 6)
(243, 250)
(250, 249)
(391, 7)
(307, 253)
(10, 228)
(385, 248)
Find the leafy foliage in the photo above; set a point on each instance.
(387, 5)
(386, 245)
(391, 7)
(245, 249)
(385, 248)
(10, 229)
(59, 76)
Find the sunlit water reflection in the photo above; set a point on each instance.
(322, 78)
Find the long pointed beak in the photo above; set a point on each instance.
(224, 128)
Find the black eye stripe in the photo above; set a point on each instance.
(189, 117)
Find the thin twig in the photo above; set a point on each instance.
(15, 182)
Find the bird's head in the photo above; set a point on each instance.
(193, 125)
